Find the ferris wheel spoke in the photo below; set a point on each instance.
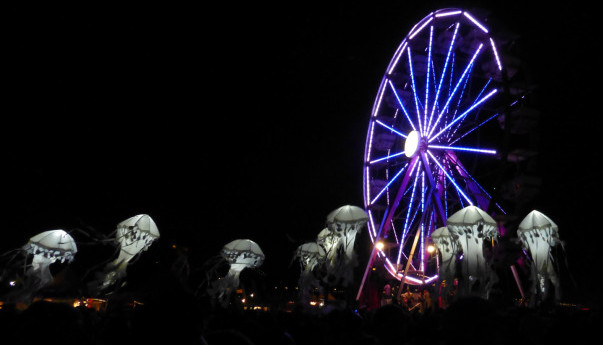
(414, 91)
(458, 126)
(435, 101)
(485, 98)
(450, 178)
(401, 104)
(466, 149)
(391, 128)
(387, 157)
(456, 87)
(474, 128)
(388, 184)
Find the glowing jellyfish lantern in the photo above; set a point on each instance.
(241, 254)
(329, 241)
(310, 255)
(448, 247)
(49, 247)
(538, 233)
(346, 222)
(472, 225)
(134, 235)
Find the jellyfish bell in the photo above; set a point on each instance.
(310, 254)
(135, 235)
(346, 221)
(241, 254)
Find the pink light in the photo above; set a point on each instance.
(420, 28)
(496, 54)
(445, 14)
(475, 22)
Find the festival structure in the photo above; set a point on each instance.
(445, 84)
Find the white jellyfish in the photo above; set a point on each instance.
(448, 248)
(134, 235)
(310, 255)
(47, 248)
(472, 225)
(346, 222)
(538, 233)
(329, 241)
(240, 254)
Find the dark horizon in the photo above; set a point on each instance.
(229, 123)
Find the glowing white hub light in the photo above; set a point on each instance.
(412, 144)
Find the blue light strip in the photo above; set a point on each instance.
(385, 158)
(450, 178)
(435, 102)
(458, 148)
(414, 91)
(455, 89)
(391, 129)
(401, 105)
(427, 78)
(464, 114)
(388, 184)
(451, 135)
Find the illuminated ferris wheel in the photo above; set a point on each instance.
(443, 86)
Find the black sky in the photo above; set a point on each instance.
(249, 121)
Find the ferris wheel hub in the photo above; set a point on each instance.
(411, 144)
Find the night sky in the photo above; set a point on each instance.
(233, 121)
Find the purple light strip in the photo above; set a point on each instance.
(435, 102)
(455, 89)
(464, 114)
(405, 231)
(426, 106)
(388, 184)
(466, 14)
(412, 35)
(387, 157)
(445, 14)
(401, 105)
(395, 62)
(458, 148)
(372, 227)
(391, 129)
(496, 54)
(414, 91)
(450, 178)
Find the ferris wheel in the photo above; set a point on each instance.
(444, 85)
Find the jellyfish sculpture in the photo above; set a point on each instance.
(329, 241)
(448, 248)
(345, 223)
(538, 233)
(240, 254)
(472, 226)
(134, 235)
(310, 255)
(47, 248)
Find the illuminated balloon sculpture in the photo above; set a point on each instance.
(47, 248)
(472, 226)
(345, 223)
(134, 235)
(448, 248)
(538, 233)
(310, 255)
(329, 241)
(240, 254)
